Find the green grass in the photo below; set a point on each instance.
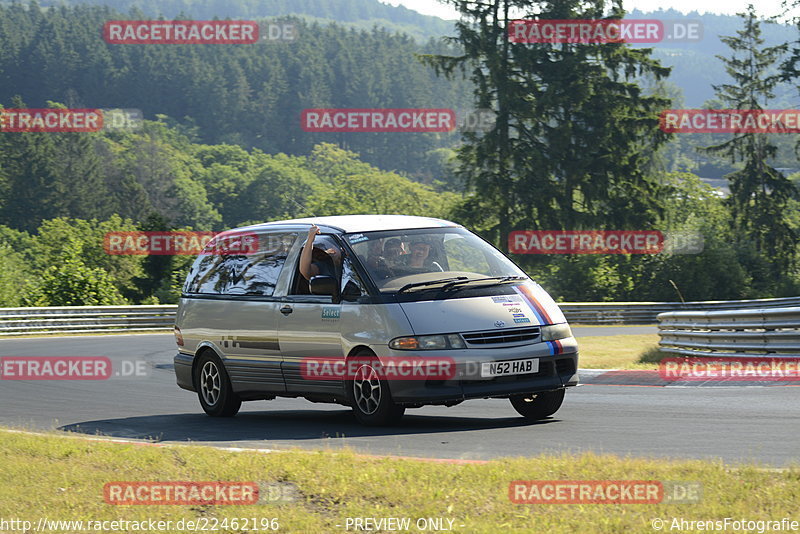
(63, 478)
(629, 351)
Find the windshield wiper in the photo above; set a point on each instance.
(493, 279)
(454, 280)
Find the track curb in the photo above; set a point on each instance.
(652, 378)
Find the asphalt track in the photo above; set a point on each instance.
(736, 424)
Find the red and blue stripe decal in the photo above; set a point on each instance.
(539, 311)
(555, 347)
(527, 294)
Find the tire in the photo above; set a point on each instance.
(214, 387)
(537, 406)
(369, 394)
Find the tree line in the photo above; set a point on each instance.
(576, 146)
(60, 193)
(250, 94)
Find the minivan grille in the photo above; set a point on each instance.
(501, 336)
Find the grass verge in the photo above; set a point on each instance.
(63, 479)
(634, 351)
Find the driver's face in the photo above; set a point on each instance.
(420, 250)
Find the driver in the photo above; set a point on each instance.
(420, 250)
(420, 256)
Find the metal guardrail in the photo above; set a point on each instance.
(85, 319)
(771, 332)
(647, 312)
(92, 319)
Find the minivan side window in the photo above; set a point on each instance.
(324, 261)
(352, 287)
(253, 274)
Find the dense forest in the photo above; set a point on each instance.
(694, 64)
(360, 13)
(250, 95)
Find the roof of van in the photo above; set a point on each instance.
(365, 223)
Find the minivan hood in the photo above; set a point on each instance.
(530, 305)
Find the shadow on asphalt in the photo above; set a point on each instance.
(285, 425)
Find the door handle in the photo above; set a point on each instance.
(286, 310)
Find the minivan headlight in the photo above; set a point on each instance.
(438, 342)
(553, 332)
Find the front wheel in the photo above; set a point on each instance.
(369, 394)
(538, 405)
(214, 388)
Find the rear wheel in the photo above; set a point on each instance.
(214, 387)
(538, 405)
(369, 394)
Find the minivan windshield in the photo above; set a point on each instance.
(430, 259)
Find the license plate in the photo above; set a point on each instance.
(510, 367)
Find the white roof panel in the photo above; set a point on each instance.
(365, 223)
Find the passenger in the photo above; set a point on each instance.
(374, 252)
(376, 262)
(313, 262)
(393, 251)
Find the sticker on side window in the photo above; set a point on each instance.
(357, 238)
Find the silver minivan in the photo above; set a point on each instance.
(401, 312)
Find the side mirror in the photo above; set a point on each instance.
(351, 292)
(323, 285)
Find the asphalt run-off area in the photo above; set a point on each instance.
(732, 422)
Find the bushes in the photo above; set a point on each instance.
(70, 282)
(64, 264)
(161, 181)
(729, 267)
(12, 269)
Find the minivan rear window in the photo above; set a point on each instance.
(253, 274)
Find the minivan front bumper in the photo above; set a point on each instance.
(556, 371)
